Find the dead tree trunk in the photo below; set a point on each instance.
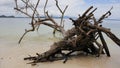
(104, 44)
(82, 37)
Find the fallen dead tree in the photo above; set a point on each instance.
(82, 37)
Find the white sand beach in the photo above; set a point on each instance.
(12, 54)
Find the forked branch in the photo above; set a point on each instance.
(36, 21)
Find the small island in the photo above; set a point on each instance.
(4, 16)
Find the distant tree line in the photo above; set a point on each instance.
(4, 16)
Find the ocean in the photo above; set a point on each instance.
(13, 28)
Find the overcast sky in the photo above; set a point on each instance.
(75, 7)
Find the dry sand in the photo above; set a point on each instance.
(12, 54)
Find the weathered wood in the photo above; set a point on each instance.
(113, 38)
(104, 43)
(81, 37)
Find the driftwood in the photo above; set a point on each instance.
(82, 37)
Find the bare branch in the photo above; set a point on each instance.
(58, 6)
(26, 2)
(62, 12)
(108, 13)
(32, 22)
(84, 14)
(23, 12)
(51, 19)
(16, 4)
(45, 7)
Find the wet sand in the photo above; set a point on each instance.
(12, 54)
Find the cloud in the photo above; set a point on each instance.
(8, 3)
(75, 7)
(6, 7)
(72, 9)
(53, 10)
(101, 1)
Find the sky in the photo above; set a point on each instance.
(75, 7)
